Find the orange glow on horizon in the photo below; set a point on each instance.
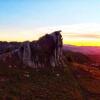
(82, 43)
(77, 41)
(78, 34)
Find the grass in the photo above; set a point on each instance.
(27, 84)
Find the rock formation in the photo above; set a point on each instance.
(46, 51)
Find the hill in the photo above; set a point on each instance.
(92, 52)
(76, 57)
(67, 77)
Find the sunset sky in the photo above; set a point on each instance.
(79, 20)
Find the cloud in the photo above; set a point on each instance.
(74, 31)
(74, 28)
(91, 35)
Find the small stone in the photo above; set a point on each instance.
(57, 75)
(10, 66)
(27, 75)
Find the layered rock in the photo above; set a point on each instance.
(47, 51)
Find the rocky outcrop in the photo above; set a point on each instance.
(47, 51)
(8, 46)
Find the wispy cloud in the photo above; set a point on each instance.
(83, 31)
(74, 28)
(91, 35)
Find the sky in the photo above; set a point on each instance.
(79, 20)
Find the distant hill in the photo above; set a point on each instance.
(91, 51)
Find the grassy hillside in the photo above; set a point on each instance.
(89, 79)
(27, 84)
(75, 82)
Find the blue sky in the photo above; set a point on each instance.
(21, 18)
(49, 12)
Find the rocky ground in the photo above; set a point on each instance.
(76, 82)
(75, 79)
